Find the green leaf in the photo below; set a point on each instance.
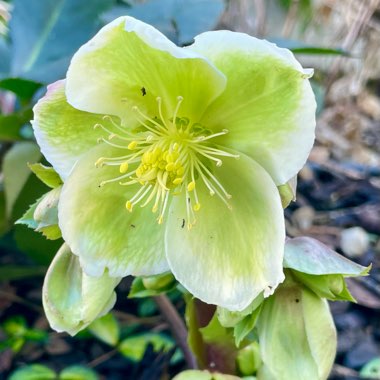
(42, 45)
(244, 327)
(298, 47)
(42, 216)
(15, 161)
(35, 246)
(10, 125)
(23, 88)
(371, 370)
(106, 329)
(17, 272)
(77, 372)
(33, 372)
(46, 174)
(179, 22)
(310, 256)
(134, 347)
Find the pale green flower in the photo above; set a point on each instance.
(171, 157)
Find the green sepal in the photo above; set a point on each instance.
(288, 192)
(229, 318)
(46, 174)
(248, 359)
(42, 216)
(330, 286)
(245, 326)
(149, 286)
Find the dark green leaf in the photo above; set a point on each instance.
(23, 88)
(10, 125)
(46, 33)
(16, 272)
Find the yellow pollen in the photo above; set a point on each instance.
(178, 181)
(191, 186)
(170, 167)
(132, 145)
(169, 155)
(129, 206)
(124, 167)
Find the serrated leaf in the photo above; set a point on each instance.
(42, 216)
(77, 372)
(15, 161)
(106, 329)
(46, 174)
(42, 45)
(33, 372)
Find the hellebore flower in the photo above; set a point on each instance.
(171, 157)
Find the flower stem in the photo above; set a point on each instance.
(177, 327)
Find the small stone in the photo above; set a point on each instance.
(303, 217)
(354, 242)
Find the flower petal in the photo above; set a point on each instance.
(71, 299)
(62, 132)
(131, 63)
(230, 256)
(268, 105)
(99, 229)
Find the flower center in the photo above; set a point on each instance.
(166, 157)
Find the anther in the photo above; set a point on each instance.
(132, 145)
(124, 167)
(191, 186)
(129, 206)
(177, 181)
(197, 207)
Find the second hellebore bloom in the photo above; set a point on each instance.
(171, 157)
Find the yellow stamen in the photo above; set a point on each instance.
(191, 186)
(132, 145)
(124, 167)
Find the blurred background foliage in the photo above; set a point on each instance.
(37, 40)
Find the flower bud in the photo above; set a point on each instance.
(72, 299)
